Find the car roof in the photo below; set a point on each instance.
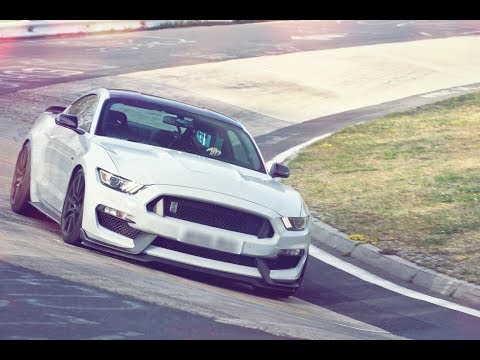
(135, 95)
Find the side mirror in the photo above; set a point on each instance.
(279, 170)
(68, 121)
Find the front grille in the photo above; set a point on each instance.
(217, 216)
(281, 262)
(117, 225)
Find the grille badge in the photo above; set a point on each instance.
(173, 207)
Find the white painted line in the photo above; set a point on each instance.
(20, 323)
(424, 33)
(287, 153)
(450, 91)
(357, 328)
(128, 305)
(62, 295)
(179, 40)
(406, 23)
(317, 37)
(74, 320)
(118, 336)
(376, 280)
(376, 22)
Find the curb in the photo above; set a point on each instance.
(324, 234)
(39, 28)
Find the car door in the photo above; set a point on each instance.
(66, 145)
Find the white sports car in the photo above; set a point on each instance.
(159, 180)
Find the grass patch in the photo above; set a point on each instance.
(409, 180)
(363, 239)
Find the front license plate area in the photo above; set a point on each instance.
(215, 242)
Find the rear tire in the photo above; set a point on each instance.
(20, 190)
(72, 212)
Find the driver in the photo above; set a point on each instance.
(200, 140)
(213, 151)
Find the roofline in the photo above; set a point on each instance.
(116, 93)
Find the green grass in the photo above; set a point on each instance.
(409, 180)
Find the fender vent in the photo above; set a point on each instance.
(117, 225)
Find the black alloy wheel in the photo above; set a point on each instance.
(20, 190)
(72, 213)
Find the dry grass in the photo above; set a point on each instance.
(411, 181)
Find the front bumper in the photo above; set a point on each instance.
(154, 226)
(262, 282)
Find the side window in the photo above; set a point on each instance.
(239, 152)
(243, 149)
(84, 108)
(152, 119)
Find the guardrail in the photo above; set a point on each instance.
(34, 28)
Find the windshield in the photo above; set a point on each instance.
(179, 130)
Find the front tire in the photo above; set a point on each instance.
(20, 190)
(72, 212)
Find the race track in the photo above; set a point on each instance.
(50, 290)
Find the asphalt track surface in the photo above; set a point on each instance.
(37, 62)
(49, 290)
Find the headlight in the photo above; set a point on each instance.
(295, 223)
(118, 183)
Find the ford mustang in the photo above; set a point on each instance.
(159, 180)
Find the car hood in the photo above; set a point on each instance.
(150, 165)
